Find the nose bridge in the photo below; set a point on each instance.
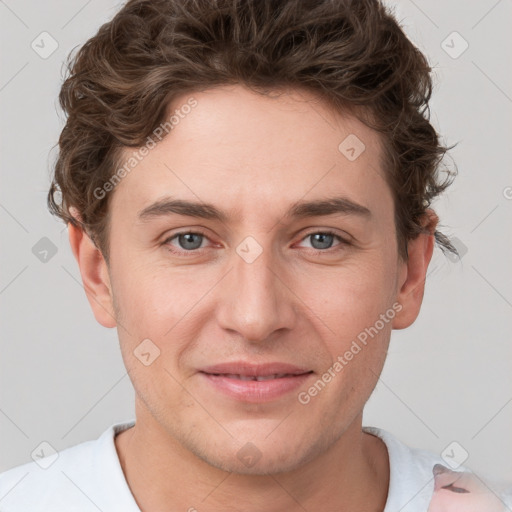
(255, 303)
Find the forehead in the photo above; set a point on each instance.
(242, 150)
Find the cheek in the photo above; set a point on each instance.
(437, 505)
(352, 298)
(445, 501)
(353, 314)
(156, 297)
(166, 306)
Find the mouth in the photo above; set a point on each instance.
(255, 383)
(258, 378)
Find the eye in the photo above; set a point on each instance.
(452, 488)
(186, 241)
(322, 240)
(191, 241)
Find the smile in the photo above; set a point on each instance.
(258, 378)
(252, 383)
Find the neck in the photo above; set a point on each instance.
(352, 474)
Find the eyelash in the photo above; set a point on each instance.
(452, 488)
(194, 252)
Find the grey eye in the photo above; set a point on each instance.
(321, 240)
(190, 241)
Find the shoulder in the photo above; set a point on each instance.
(69, 480)
(411, 481)
(38, 485)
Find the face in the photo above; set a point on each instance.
(454, 491)
(259, 258)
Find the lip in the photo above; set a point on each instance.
(280, 379)
(255, 370)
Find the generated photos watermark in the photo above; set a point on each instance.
(304, 397)
(137, 156)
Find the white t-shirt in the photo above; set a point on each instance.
(88, 477)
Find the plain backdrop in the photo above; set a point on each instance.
(447, 378)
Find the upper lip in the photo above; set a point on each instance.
(255, 370)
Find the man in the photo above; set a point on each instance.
(247, 188)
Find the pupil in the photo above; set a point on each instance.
(321, 240)
(187, 241)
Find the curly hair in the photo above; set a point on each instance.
(351, 53)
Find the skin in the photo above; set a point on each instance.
(455, 491)
(253, 157)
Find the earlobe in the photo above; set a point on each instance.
(95, 277)
(411, 285)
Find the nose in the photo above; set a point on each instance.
(255, 298)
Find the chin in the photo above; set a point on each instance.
(264, 466)
(263, 456)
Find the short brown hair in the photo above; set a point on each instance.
(351, 53)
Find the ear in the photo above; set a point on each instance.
(413, 272)
(95, 277)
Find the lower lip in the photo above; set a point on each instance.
(255, 391)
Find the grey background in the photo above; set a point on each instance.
(447, 378)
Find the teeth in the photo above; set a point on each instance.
(268, 377)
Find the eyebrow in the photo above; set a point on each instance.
(300, 209)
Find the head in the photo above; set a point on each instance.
(251, 181)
